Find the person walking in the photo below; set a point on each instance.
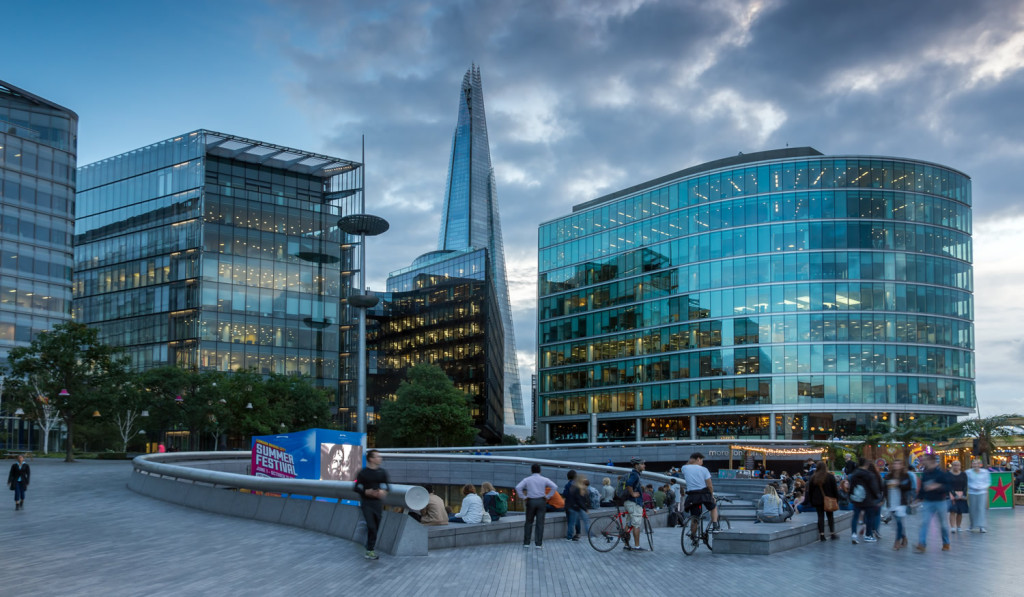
(572, 508)
(822, 488)
(978, 482)
(533, 491)
(900, 491)
(933, 494)
(17, 480)
(958, 505)
(865, 494)
(372, 486)
(577, 502)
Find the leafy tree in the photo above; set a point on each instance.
(297, 402)
(984, 431)
(509, 440)
(69, 357)
(429, 411)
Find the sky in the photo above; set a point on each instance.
(583, 98)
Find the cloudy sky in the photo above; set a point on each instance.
(582, 97)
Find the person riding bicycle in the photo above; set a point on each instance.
(634, 505)
(699, 491)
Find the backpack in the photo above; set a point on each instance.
(501, 504)
(622, 490)
(859, 494)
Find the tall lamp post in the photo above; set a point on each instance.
(362, 225)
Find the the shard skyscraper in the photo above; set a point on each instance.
(470, 219)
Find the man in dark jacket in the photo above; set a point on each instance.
(935, 488)
(866, 497)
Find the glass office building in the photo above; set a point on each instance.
(38, 146)
(213, 251)
(779, 295)
(470, 220)
(446, 313)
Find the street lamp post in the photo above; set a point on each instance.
(362, 225)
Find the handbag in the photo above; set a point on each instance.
(831, 504)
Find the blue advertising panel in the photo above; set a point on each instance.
(323, 454)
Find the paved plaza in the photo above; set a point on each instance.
(84, 533)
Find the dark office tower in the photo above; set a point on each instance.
(777, 295)
(470, 219)
(217, 252)
(38, 144)
(449, 320)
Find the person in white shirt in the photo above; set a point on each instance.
(699, 490)
(978, 482)
(534, 490)
(472, 509)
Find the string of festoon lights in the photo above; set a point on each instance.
(779, 451)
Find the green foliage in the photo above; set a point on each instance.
(69, 357)
(509, 440)
(985, 430)
(429, 411)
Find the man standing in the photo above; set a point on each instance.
(533, 490)
(17, 480)
(934, 490)
(573, 506)
(699, 490)
(635, 504)
(371, 484)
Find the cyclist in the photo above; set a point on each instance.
(634, 505)
(699, 491)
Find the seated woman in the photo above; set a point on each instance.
(472, 510)
(770, 508)
(607, 493)
(490, 500)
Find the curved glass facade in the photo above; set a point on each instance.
(798, 297)
(38, 141)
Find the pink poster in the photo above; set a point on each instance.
(269, 460)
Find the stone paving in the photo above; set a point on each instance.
(84, 533)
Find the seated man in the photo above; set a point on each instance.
(555, 503)
(435, 513)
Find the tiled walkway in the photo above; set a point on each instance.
(83, 533)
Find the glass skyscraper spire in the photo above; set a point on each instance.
(470, 219)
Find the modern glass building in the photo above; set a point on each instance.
(217, 252)
(38, 146)
(446, 313)
(780, 295)
(470, 220)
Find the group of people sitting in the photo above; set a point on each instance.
(487, 506)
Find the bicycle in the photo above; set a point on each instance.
(697, 528)
(606, 532)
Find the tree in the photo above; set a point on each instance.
(509, 440)
(984, 431)
(429, 411)
(69, 357)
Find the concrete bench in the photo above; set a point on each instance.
(746, 537)
(509, 529)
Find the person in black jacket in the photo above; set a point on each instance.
(866, 496)
(822, 485)
(933, 493)
(17, 480)
(372, 485)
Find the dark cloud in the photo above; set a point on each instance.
(585, 98)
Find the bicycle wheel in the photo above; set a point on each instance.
(689, 539)
(650, 533)
(604, 533)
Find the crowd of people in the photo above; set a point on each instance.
(894, 491)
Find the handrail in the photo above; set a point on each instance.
(412, 497)
(561, 464)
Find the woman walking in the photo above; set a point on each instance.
(17, 480)
(823, 494)
(899, 492)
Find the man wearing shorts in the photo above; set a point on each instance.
(635, 504)
(699, 491)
